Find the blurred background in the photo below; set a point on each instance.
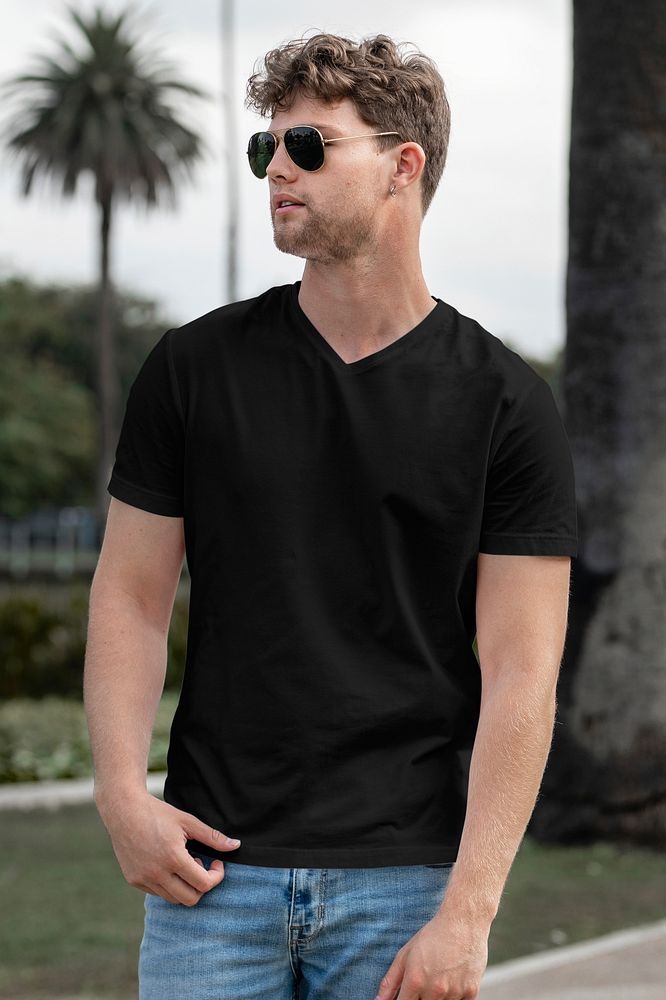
(127, 207)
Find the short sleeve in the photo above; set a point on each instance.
(530, 497)
(148, 467)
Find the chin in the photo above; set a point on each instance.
(292, 246)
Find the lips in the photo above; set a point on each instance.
(283, 201)
(288, 208)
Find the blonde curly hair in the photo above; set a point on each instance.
(392, 91)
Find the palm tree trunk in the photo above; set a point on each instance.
(107, 377)
(606, 777)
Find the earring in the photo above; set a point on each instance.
(392, 189)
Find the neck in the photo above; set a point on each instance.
(360, 308)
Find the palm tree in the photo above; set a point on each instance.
(607, 772)
(105, 111)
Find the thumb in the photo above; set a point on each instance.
(208, 835)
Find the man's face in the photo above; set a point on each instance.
(341, 201)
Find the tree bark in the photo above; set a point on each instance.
(107, 376)
(606, 775)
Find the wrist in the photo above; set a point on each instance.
(108, 797)
(468, 909)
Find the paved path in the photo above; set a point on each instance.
(625, 965)
(53, 794)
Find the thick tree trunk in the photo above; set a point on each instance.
(606, 776)
(107, 376)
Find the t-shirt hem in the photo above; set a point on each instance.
(334, 857)
(547, 545)
(137, 496)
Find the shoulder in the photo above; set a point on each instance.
(497, 370)
(193, 339)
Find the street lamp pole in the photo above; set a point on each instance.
(229, 133)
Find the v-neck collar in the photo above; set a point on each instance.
(383, 354)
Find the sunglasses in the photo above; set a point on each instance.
(304, 144)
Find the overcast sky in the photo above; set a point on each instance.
(494, 239)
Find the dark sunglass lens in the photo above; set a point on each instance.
(305, 147)
(260, 152)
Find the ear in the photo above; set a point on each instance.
(408, 165)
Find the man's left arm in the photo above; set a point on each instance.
(521, 616)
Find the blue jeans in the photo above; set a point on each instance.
(286, 933)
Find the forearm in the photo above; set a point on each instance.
(510, 752)
(124, 671)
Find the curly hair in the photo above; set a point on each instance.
(392, 91)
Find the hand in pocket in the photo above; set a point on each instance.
(149, 838)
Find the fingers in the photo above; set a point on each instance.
(193, 872)
(155, 889)
(167, 868)
(184, 883)
(198, 830)
(176, 890)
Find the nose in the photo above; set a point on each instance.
(281, 165)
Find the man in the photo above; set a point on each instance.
(362, 479)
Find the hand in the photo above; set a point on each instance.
(445, 960)
(149, 837)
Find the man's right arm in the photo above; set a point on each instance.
(131, 601)
(130, 607)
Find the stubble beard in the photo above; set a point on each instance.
(323, 238)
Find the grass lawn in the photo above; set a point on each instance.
(71, 925)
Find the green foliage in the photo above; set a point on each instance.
(56, 323)
(48, 437)
(43, 637)
(47, 739)
(42, 644)
(43, 740)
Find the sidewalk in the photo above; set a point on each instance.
(53, 794)
(625, 965)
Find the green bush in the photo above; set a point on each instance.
(46, 739)
(41, 645)
(43, 639)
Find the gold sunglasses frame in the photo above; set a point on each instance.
(341, 138)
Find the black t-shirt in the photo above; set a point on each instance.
(333, 514)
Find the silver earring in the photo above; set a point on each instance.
(392, 189)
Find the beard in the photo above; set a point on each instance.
(326, 238)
